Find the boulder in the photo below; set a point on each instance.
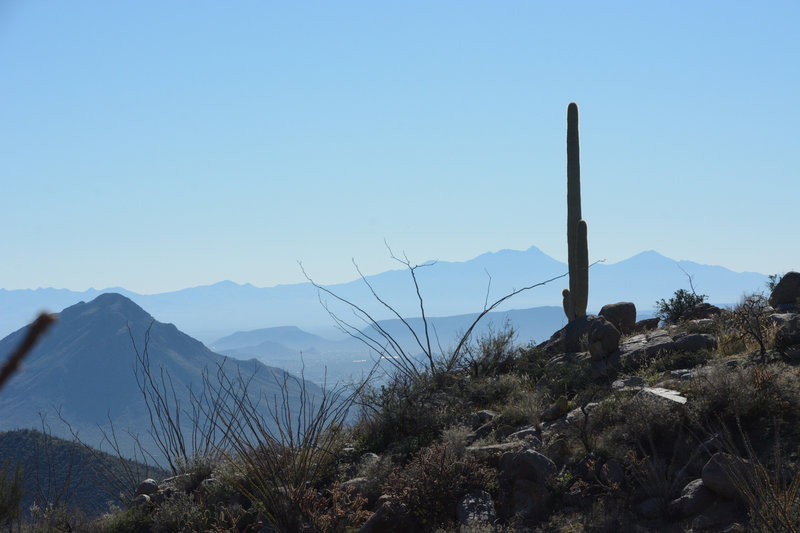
(780, 319)
(358, 484)
(493, 453)
(722, 474)
(786, 294)
(389, 518)
(529, 500)
(147, 487)
(646, 324)
(621, 314)
(476, 507)
(558, 409)
(639, 348)
(787, 337)
(661, 393)
(627, 383)
(700, 311)
(528, 465)
(695, 343)
(695, 498)
(592, 333)
(480, 433)
(527, 433)
(141, 499)
(479, 418)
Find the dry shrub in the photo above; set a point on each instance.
(430, 485)
(340, 509)
(755, 395)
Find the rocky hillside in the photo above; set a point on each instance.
(610, 425)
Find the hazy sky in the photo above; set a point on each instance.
(160, 145)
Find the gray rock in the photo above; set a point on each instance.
(662, 394)
(558, 409)
(780, 319)
(621, 314)
(529, 500)
(358, 484)
(695, 498)
(646, 324)
(147, 487)
(592, 333)
(527, 464)
(695, 342)
(480, 418)
(700, 311)
(722, 474)
(141, 499)
(630, 382)
(529, 433)
(475, 508)
(787, 337)
(493, 453)
(480, 433)
(639, 348)
(388, 518)
(786, 294)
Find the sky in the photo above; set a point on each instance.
(161, 145)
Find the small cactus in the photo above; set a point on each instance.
(577, 296)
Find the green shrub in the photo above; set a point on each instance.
(672, 310)
(492, 354)
(133, 520)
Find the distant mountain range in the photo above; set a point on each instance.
(324, 360)
(85, 366)
(449, 289)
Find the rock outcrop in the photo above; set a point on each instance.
(786, 294)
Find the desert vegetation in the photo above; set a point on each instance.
(687, 423)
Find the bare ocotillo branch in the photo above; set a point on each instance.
(37, 329)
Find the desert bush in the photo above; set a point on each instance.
(284, 455)
(567, 375)
(750, 321)
(532, 361)
(493, 391)
(407, 413)
(770, 489)
(430, 485)
(180, 512)
(773, 281)
(671, 310)
(755, 397)
(492, 354)
(134, 520)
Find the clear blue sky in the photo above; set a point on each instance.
(161, 145)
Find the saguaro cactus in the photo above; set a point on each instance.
(576, 297)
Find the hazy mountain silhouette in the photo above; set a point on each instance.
(337, 360)
(449, 288)
(85, 365)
